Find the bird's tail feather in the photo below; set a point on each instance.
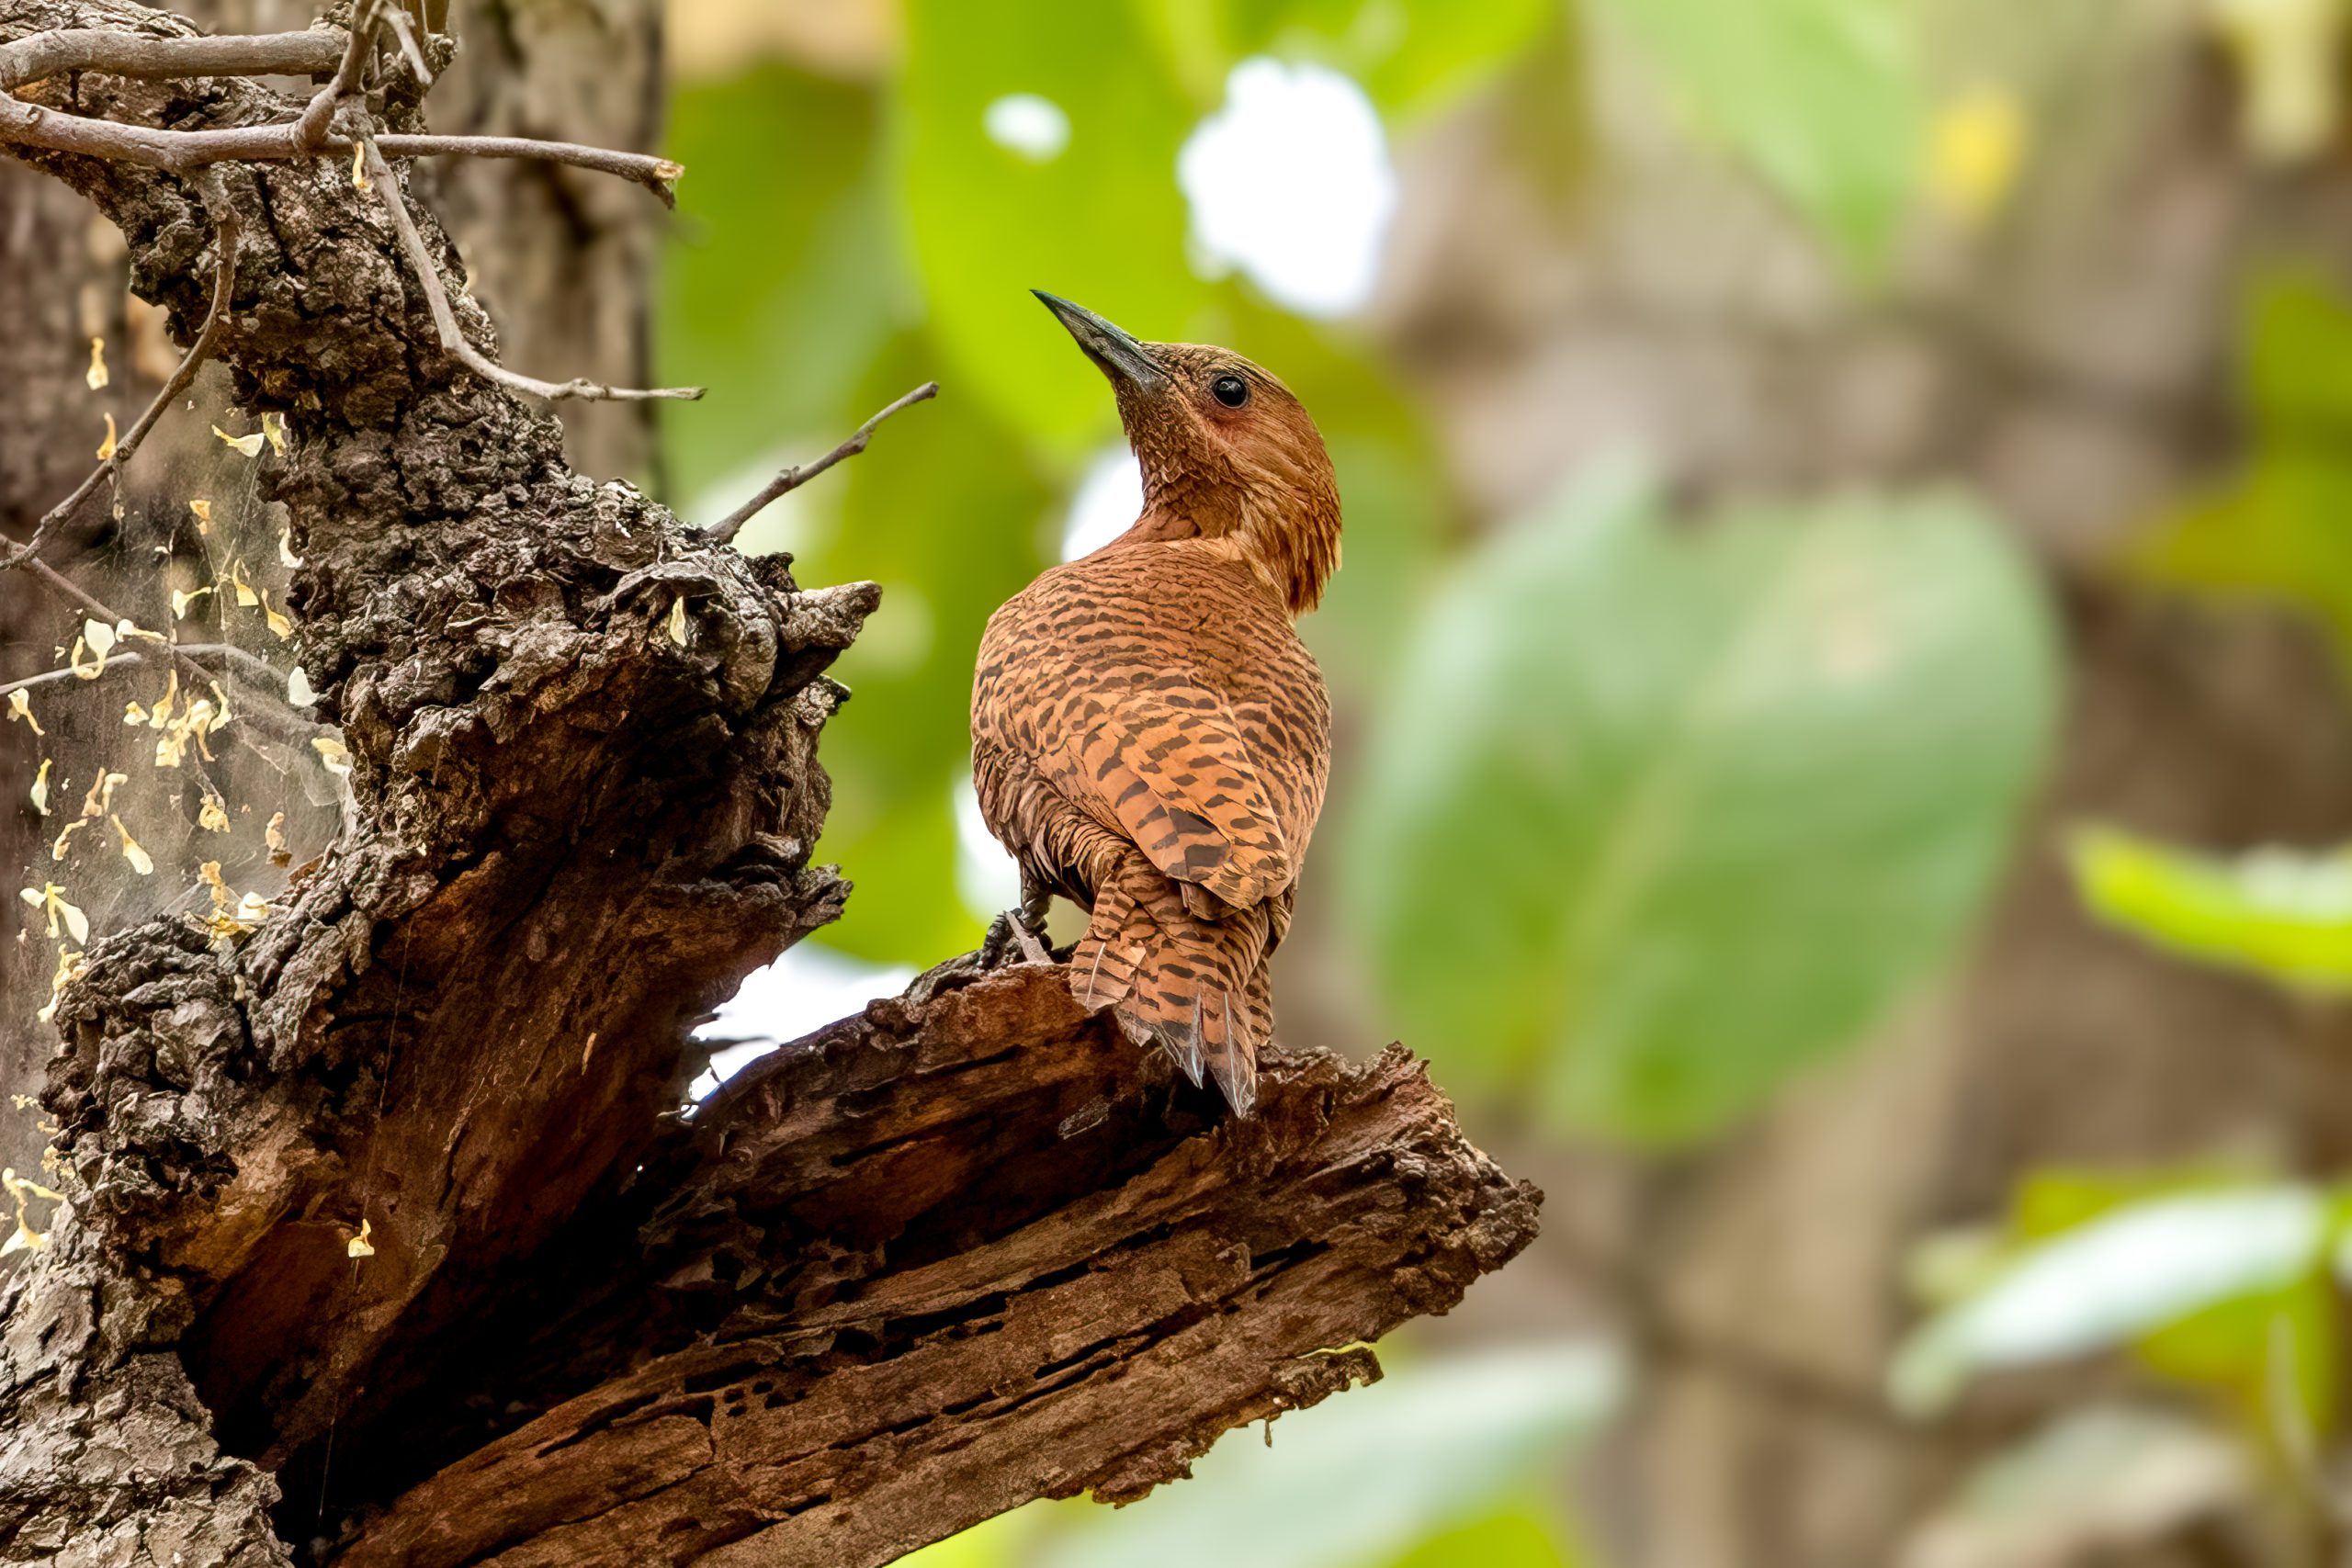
(1195, 987)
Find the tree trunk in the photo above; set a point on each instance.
(383, 1227)
(564, 258)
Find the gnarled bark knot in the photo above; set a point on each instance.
(969, 1248)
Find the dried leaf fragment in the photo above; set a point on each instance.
(248, 444)
(233, 914)
(203, 509)
(69, 967)
(140, 861)
(21, 1189)
(100, 800)
(21, 707)
(49, 898)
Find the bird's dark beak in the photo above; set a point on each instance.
(1115, 353)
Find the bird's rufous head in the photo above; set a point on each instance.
(1227, 452)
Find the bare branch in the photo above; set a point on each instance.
(415, 56)
(726, 528)
(44, 55)
(445, 319)
(225, 234)
(283, 717)
(148, 58)
(310, 129)
(136, 657)
(654, 174)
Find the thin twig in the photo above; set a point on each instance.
(67, 589)
(399, 21)
(227, 653)
(726, 528)
(445, 319)
(225, 230)
(310, 129)
(654, 174)
(44, 55)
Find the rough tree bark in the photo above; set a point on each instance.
(963, 1251)
(563, 258)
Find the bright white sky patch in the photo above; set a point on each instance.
(1109, 499)
(1025, 123)
(985, 879)
(801, 992)
(1291, 182)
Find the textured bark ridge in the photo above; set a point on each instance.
(964, 1250)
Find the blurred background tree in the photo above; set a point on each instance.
(1843, 581)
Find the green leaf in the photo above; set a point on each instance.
(2279, 913)
(1658, 816)
(2217, 1267)
(1100, 221)
(1821, 96)
(2282, 529)
(1365, 1473)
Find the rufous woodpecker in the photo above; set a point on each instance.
(1150, 735)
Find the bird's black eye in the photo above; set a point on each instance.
(1230, 390)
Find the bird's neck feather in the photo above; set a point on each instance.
(1289, 538)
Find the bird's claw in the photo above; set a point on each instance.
(1009, 934)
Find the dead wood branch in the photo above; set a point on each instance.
(967, 1250)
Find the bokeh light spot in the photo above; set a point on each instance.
(1109, 499)
(1291, 182)
(1035, 128)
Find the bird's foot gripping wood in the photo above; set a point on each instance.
(1009, 934)
(1023, 928)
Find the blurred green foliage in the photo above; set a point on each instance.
(1658, 815)
(2211, 1281)
(2277, 530)
(2281, 914)
(1822, 97)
